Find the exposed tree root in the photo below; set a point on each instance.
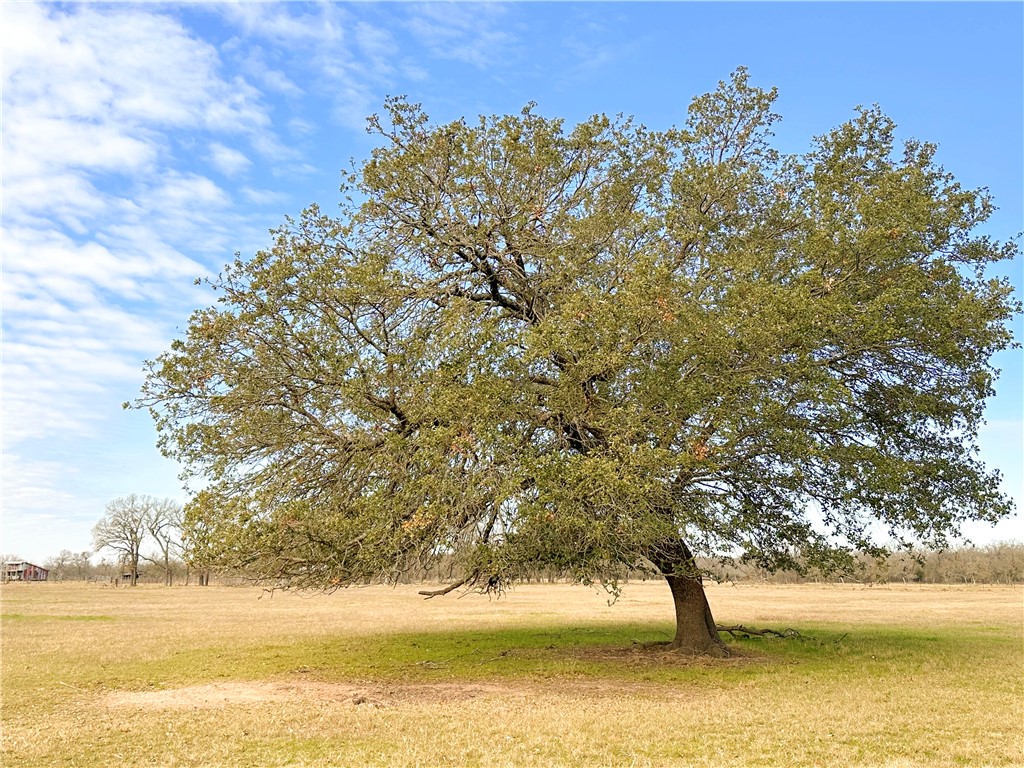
(739, 630)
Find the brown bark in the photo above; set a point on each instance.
(695, 626)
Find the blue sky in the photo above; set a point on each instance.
(143, 144)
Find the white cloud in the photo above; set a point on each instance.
(226, 160)
(123, 66)
(322, 43)
(45, 256)
(270, 147)
(73, 329)
(179, 191)
(378, 48)
(354, 56)
(466, 32)
(105, 223)
(254, 64)
(41, 143)
(262, 196)
(115, 117)
(299, 127)
(65, 198)
(282, 25)
(97, 90)
(28, 485)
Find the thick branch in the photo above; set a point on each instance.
(429, 593)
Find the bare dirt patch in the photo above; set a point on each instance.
(379, 695)
(638, 657)
(214, 695)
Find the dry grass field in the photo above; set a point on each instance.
(549, 675)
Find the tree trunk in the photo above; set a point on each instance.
(695, 626)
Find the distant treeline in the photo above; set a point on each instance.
(1001, 563)
(80, 566)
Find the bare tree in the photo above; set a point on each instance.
(70, 566)
(122, 529)
(163, 523)
(80, 562)
(59, 565)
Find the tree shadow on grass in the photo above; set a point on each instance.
(627, 651)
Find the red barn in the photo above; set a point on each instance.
(24, 572)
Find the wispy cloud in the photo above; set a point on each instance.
(355, 55)
(227, 160)
(321, 44)
(263, 196)
(137, 156)
(254, 63)
(102, 225)
(466, 32)
(288, 25)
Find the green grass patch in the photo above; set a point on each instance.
(600, 652)
(414, 657)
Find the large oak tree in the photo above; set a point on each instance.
(599, 349)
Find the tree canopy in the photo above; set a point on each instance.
(598, 348)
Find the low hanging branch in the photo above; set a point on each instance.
(494, 586)
(429, 593)
(739, 630)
